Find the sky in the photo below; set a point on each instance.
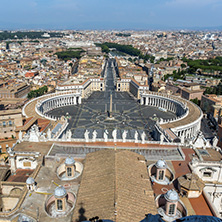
(110, 14)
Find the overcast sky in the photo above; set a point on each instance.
(110, 14)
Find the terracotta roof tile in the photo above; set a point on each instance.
(115, 186)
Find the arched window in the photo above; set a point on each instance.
(171, 209)
(161, 173)
(59, 204)
(69, 171)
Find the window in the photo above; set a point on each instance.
(27, 164)
(171, 209)
(4, 124)
(59, 204)
(10, 123)
(207, 174)
(161, 174)
(69, 171)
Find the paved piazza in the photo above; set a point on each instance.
(128, 114)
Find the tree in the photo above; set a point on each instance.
(69, 54)
(105, 48)
(183, 66)
(195, 101)
(36, 93)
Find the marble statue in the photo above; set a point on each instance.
(34, 134)
(42, 138)
(114, 134)
(69, 135)
(182, 139)
(215, 141)
(86, 135)
(10, 151)
(143, 136)
(124, 135)
(64, 137)
(49, 134)
(26, 137)
(136, 137)
(20, 135)
(36, 128)
(160, 121)
(94, 136)
(199, 141)
(161, 138)
(208, 145)
(105, 135)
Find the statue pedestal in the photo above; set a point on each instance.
(110, 118)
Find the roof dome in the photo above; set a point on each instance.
(60, 192)
(30, 181)
(161, 164)
(69, 161)
(172, 196)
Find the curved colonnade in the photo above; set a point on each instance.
(165, 102)
(186, 124)
(188, 120)
(44, 106)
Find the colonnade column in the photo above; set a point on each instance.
(146, 101)
(141, 100)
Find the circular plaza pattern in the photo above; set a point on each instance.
(160, 116)
(127, 114)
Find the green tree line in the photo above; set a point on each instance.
(69, 54)
(147, 57)
(38, 92)
(195, 101)
(180, 74)
(128, 49)
(206, 65)
(31, 35)
(214, 89)
(123, 34)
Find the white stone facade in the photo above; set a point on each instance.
(44, 106)
(207, 171)
(177, 106)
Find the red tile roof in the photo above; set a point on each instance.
(20, 176)
(200, 206)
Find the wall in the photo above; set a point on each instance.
(9, 121)
(7, 188)
(9, 203)
(134, 89)
(26, 162)
(215, 168)
(219, 134)
(207, 104)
